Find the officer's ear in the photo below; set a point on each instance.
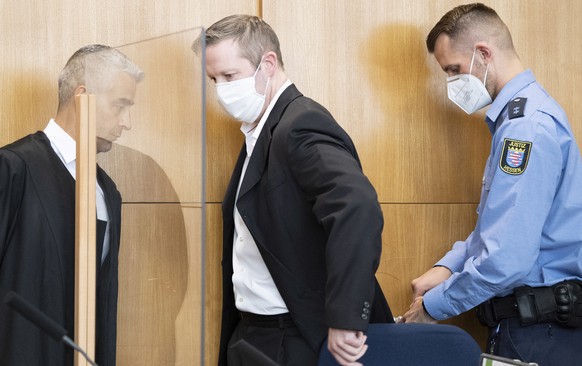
(483, 50)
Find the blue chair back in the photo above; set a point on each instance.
(414, 345)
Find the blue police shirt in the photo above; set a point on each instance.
(529, 229)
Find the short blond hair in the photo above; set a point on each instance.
(253, 35)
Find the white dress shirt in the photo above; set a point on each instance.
(66, 149)
(254, 288)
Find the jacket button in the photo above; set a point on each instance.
(364, 316)
(366, 304)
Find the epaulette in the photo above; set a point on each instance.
(516, 108)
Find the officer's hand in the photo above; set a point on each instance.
(346, 346)
(416, 313)
(428, 280)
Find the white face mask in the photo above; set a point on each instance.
(240, 98)
(468, 92)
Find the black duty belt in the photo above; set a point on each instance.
(267, 321)
(504, 307)
(560, 304)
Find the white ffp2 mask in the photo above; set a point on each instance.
(467, 91)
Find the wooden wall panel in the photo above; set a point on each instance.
(167, 115)
(213, 283)
(415, 236)
(159, 308)
(407, 252)
(153, 279)
(367, 62)
(224, 141)
(189, 322)
(38, 37)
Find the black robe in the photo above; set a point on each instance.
(37, 254)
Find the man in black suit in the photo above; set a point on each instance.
(37, 214)
(302, 223)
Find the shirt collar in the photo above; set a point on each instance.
(253, 130)
(507, 93)
(63, 144)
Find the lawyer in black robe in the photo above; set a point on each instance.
(37, 254)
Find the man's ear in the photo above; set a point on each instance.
(484, 51)
(271, 63)
(81, 89)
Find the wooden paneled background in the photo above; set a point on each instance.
(365, 61)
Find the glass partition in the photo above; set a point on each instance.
(157, 160)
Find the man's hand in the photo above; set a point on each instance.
(346, 346)
(416, 313)
(428, 280)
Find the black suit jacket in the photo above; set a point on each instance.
(37, 256)
(316, 221)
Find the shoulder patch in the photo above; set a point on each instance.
(514, 156)
(516, 108)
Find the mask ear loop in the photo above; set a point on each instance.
(258, 67)
(471, 67)
(257, 70)
(266, 86)
(472, 59)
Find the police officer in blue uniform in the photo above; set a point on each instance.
(521, 267)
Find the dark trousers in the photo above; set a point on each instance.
(544, 344)
(281, 343)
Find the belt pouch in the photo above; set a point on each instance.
(545, 304)
(485, 314)
(524, 297)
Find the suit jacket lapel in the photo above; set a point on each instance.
(260, 154)
(228, 200)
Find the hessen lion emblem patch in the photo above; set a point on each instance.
(514, 156)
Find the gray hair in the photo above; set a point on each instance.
(93, 66)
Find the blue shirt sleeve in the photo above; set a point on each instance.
(505, 244)
(456, 257)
